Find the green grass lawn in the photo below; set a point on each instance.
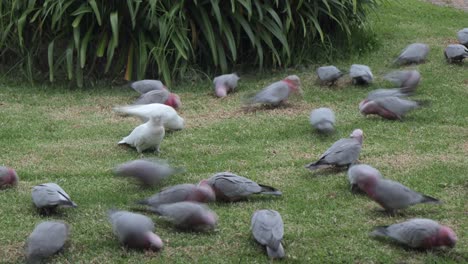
(70, 137)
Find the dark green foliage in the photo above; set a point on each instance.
(164, 38)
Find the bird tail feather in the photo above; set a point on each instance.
(278, 253)
(270, 190)
(429, 199)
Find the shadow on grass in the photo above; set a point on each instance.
(327, 171)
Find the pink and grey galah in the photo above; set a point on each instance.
(46, 239)
(389, 107)
(343, 152)
(268, 230)
(134, 230)
(277, 93)
(356, 172)
(188, 215)
(146, 172)
(225, 84)
(391, 195)
(161, 97)
(8, 177)
(180, 193)
(418, 233)
(231, 187)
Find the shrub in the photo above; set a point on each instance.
(163, 38)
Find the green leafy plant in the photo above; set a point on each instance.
(162, 38)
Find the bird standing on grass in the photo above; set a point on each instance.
(146, 136)
(268, 230)
(418, 233)
(225, 84)
(391, 195)
(277, 93)
(46, 239)
(343, 152)
(46, 197)
(134, 230)
(413, 53)
(231, 187)
(323, 119)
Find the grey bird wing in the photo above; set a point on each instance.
(273, 94)
(230, 80)
(151, 97)
(415, 52)
(412, 232)
(344, 151)
(182, 214)
(235, 186)
(462, 36)
(268, 228)
(145, 86)
(50, 194)
(396, 105)
(126, 223)
(46, 239)
(394, 195)
(322, 114)
(329, 73)
(380, 93)
(172, 194)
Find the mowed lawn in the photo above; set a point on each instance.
(70, 136)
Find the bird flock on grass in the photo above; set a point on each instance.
(184, 205)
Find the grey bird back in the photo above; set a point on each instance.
(148, 172)
(152, 97)
(172, 194)
(413, 53)
(273, 94)
(462, 36)
(455, 52)
(343, 152)
(145, 86)
(125, 224)
(230, 80)
(412, 232)
(50, 195)
(323, 119)
(328, 74)
(397, 105)
(233, 185)
(46, 239)
(361, 74)
(394, 195)
(268, 230)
